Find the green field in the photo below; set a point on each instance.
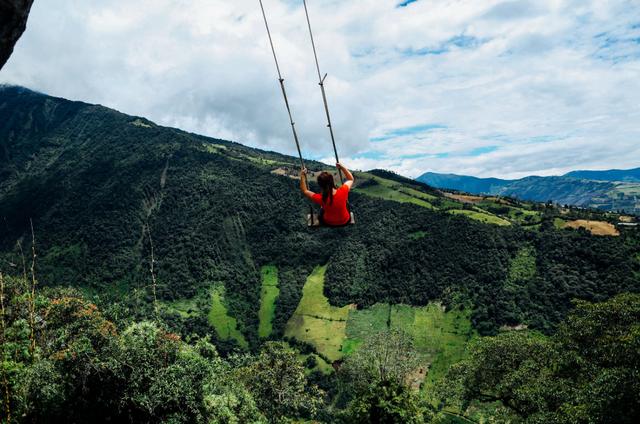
(415, 193)
(481, 216)
(388, 193)
(268, 295)
(446, 204)
(487, 211)
(225, 325)
(390, 190)
(517, 213)
(321, 365)
(362, 323)
(184, 307)
(440, 336)
(315, 321)
(559, 223)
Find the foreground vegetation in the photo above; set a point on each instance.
(63, 361)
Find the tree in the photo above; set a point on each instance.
(232, 404)
(388, 402)
(375, 380)
(388, 356)
(278, 383)
(586, 372)
(501, 369)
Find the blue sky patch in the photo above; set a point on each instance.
(371, 154)
(460, 41)
(424, 51)
(400, 132)
(406, 3)
(482, 150)
(464, 41)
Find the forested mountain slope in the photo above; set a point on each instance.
(99, 186)
(614, 190)
(630, 175)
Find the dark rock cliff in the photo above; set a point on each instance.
(13, 22)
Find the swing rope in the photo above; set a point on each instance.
(324, 94)
(286, 102)
(284, 91)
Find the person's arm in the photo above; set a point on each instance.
(303, 184)
(347, 175)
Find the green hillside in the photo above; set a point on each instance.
(98, 183)
(236, 267)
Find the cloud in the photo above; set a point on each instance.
(483, 87)
(514, 9)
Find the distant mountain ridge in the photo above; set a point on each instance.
(611, 190)
(627, 175)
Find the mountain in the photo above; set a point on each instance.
(463, 183)
(614, 190)
(102, 188)
(628, 175)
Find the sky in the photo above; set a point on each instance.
(491, 88)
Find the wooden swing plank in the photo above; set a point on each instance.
(315, 222)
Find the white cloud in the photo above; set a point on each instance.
(516, 87)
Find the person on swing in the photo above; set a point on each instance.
(332, 200)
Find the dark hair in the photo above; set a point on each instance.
(325, 181)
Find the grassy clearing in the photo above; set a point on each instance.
(514, 213)
(321, 365)
(214, 148)
(226, 326)
(416, 193)
(315, 321)
(268, 295)
(525, 216)
(441, 337)
(417, 235)
(629, 189)
(402, 317)
(391, 190)
(186, 308)
(559, 223)
(387, 193)
(363, 323)
(598, 228)
(464, 198)
(447, 204)
(481, 216)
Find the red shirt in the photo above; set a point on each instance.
(335, 213)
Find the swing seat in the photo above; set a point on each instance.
(314, 221)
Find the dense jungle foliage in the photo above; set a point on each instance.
(62, 361)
